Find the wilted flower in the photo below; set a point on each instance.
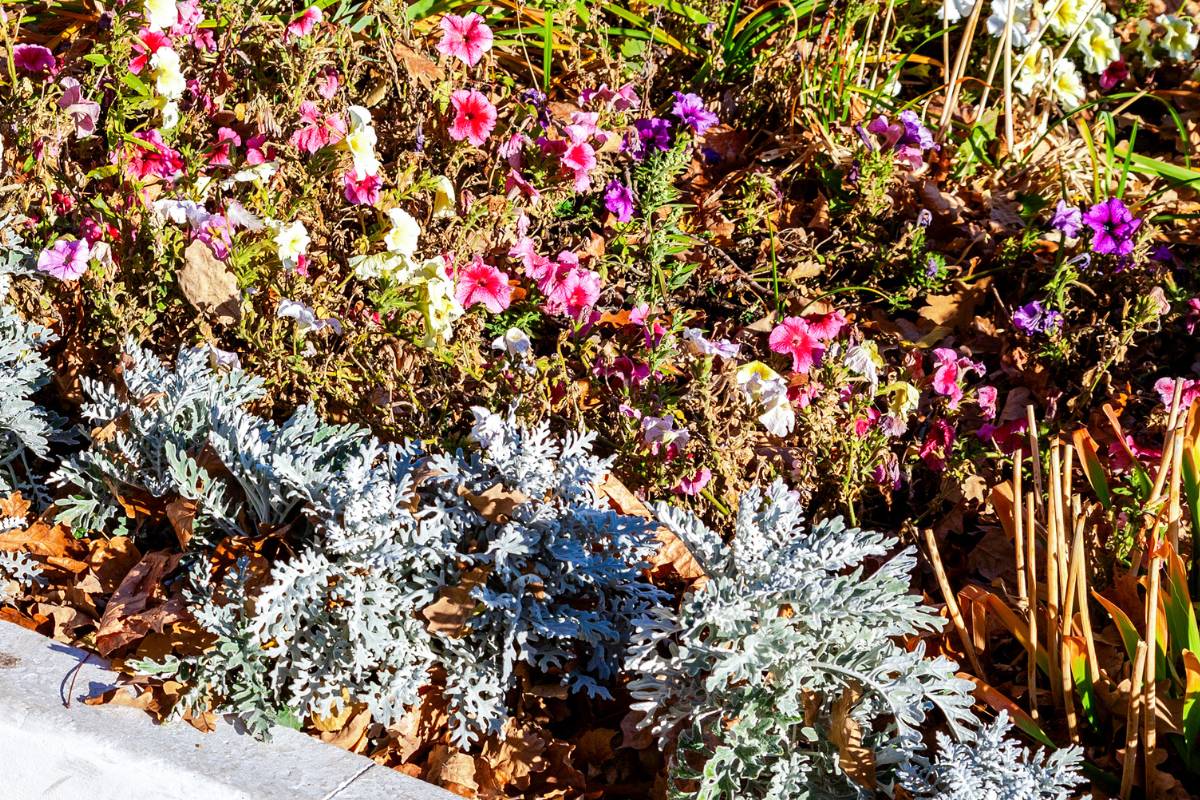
(84, 113)
(660, 435)
(360, 141)
(443, 198)
(514, 342)
(66, 260)
(1033, 318)
(1067, 219)
(697, 343)
(306, 318)
(466, 38)
(762, 385)
(474, 117)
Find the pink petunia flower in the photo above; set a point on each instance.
(579, 158)
(361, 192)
(466, 38)
(303, 25)
(84, 113)
(329, 83)
(794, 337)
(578, 291)
(150, 156)
(478, 282)
(145, 45)
(695, 484)
(227, 139)
(66, 260)
(318, 130)
(826, 326)
(1165, 387)
(945, 375)
(34, 59)
(474, 117)
(258, 151)
(986, 397)
(937, 445)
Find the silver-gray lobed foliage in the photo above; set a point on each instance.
(380, 529)
(25, 427)
(791, 643)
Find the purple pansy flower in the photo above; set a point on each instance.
(66, 260)
(1033, 318)
(691, 112)
(619, 200)
(1067, 219)
(1113, 227)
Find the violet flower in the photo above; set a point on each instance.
(1113, 227)
(1067, 219)
(691, 112)
(619, 200)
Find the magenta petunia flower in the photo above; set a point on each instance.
(150, 156)
(145, 45)
(1113, 227)
(466, 38)
(794, 337)
(826, 326)
(478, 282)
(693, 485)
(318, 130)
(303, 25)
(474, 117)
(579, 158)
(618, 199)
(34, 58)
(578, 291)
(66, 260)
(361, 192)
(227, 139)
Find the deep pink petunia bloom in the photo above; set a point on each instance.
(317, 130)
(1165, 388)
(474, 117)
(151, 156)
(826, 326)
(364, 192)
(303, 25)
(145, 45)
(937, 445)
(227, 139)
(578, 291)
(946, 374)
(466, 38)
(258, 151)
(35, 59)
(478, 282)
(67, 260)
(794, 337)
(580, 159)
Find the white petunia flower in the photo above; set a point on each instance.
(292, 242)
(405, 232)
(161, 14)
(1067, 15)
(1098, 45)
(1022, 16)
(763, 386)
(1180, 38)
(1066, 86)
(444, 201)
(360, 141)
(168, 73)
(1033, 69)
(1144, 44)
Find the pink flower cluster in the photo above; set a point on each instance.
(949, 368)
(482, 283)
(805, 338)
(570, 288)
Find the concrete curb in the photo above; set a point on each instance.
(51, 752)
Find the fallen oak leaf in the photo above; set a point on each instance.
(181, 514)
(496, 503)
(673, 555)
(448, 614)
(128, 617)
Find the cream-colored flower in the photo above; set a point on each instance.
(168, 74)
(405, 232)
(1144, 44)
(1066, 86)
(1180, 37)
(764, 386)
(292, 241)
(1033, 69)
(1067, 15)
(1098, 45)
(444, 201)
(161, 14)
(360, 141)
(441, 307)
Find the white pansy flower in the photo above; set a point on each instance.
(161, 14)
(1098, 45)
(292, 242)
(1066, 86)
(1180, 38)
(405, 232)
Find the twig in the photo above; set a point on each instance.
(1031, 562)
(1129, 765)
(1019, 530)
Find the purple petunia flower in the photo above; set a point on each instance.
(651, 133)
(66, 260)
(1113, 227)
(1067, 219)
(619, 200)
(914, 132)
(34, 58)
(1033, 318)
(691, 112)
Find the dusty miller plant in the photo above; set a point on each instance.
(781, 676)
(382, 531)
(26, 428)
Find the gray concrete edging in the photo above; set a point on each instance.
(52, 750)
